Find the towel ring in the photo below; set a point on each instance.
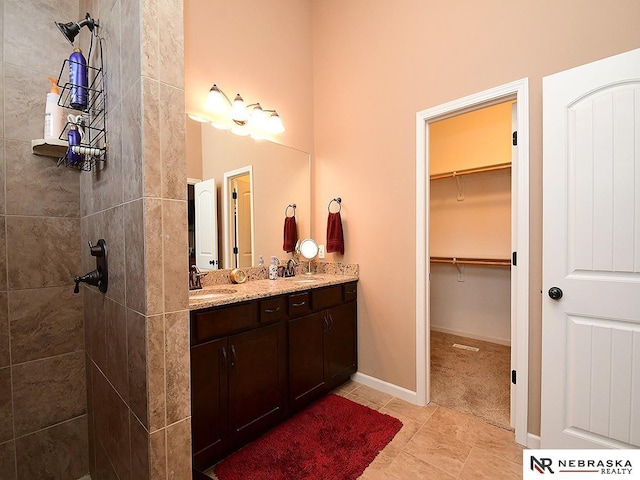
(338, 200)
(286, 210)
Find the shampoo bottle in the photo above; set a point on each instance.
(79, 80)
(273, 269)
(53, 115)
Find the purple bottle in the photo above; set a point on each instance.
(73, 137)
(78, 79)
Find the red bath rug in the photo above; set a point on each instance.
(334, 438)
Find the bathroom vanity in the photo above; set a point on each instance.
(263, 350)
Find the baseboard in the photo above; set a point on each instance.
(451, 331)
(533, 441)
(386, 387)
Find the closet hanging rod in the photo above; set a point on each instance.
(497, 262)
(468, 171)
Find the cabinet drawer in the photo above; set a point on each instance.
(208, 324)
(350, 292)
(299, 304)
(273, 309)
(326, 297)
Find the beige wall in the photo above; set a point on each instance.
(43, 408)
(261, 50)
(377, 63)
(474, 139)
(193, 153)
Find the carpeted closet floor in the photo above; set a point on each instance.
(476, 383)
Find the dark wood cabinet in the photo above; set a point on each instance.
(307, 360)
(257, 382)
(254, 363)
(209, 403)
(341, 344)
(322, 345)
(239, 386)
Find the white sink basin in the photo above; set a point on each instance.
(304, 280)
(209, 294)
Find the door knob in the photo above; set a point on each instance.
(555, 293)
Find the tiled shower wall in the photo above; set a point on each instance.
(135, 386)
(43, 413)
(137, 336)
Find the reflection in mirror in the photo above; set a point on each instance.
(237, 211)
(252, 224)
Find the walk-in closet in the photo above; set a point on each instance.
(470, 224)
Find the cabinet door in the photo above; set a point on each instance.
(307, 366)
(208, 401)
(341, 349)
(257, 381)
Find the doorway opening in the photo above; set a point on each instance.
(470, 158)
(513, 93)
(238, 217)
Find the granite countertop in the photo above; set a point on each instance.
(225, 294)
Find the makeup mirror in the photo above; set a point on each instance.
(309, 250)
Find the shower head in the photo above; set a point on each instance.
(70, 30)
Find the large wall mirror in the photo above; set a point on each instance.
(238, 206)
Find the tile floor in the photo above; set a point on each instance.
(437, 443)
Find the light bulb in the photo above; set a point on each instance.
(257, 120)
(239, 110)
(216, 100)
(274, 124)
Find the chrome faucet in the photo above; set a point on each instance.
(290, 270)
(194, 278)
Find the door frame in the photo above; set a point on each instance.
(518, 91)
(226, 208)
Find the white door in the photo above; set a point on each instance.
(206, 225)
(591, 254)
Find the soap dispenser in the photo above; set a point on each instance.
(273, 269)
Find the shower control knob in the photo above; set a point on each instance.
(555, 293)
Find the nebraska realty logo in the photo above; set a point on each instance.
(587, 463)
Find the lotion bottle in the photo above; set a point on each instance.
(53, 114)
(273, 269)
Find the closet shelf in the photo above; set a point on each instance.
(469, 171)
(496, 262)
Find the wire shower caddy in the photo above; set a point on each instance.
(93, 145)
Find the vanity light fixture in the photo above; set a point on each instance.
(72, 29)
(243, 119)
